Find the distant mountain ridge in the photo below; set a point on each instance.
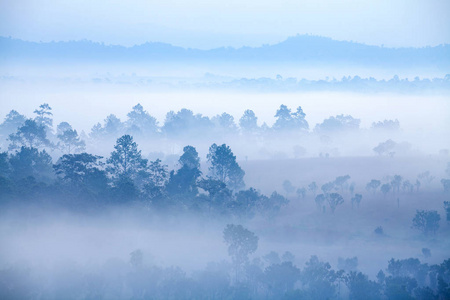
(301, 49)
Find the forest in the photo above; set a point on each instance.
(237, 228)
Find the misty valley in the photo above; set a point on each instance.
(199, 207)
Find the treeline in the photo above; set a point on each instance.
(85, 180)
(181, 124)
(272, 276)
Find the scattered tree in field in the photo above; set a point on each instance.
(320, 200)
(385, 188)
(288, 187)
(426, 177)
(223, 167)
(341, 181)
(426, 221)
(334, 200)
(447, 209)
(312, 187)
(31, 135)
(356, 199)
(417, 185)
(301, 192)
(379, 230)
(385, 148)
(407, 186)
(327, 187)
(446, 185)
(373, 185)
(396, 182)
(241, 243)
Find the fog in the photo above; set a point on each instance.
(306, 169)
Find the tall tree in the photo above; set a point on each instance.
(70, 141)
(31, 135)
(126, 160)
(241, 243)
(223, 166)
(184, 180)
(44, 117)
(12, 122)
(140, 121)
(248, 122)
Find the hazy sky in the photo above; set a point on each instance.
(206, 23)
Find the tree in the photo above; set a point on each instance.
(241, 243)
(385, 148)
(426, 221)
(327, 187)
(126, 160)
(338, 123)
(31, 162)
(334, 199)
(447, 209)
(13, 120)
(223, 166)
(248, 121)
(341, 181)
(185, 122)
(299, 119)
(70, 141)
(446, 185)
(373, 185)
(141, 122)
(301, 192)
(43, 117)
(156, 180)
(396, 182)
(31, 135)
(356, 199)
(284, 118)
(361, 287)
(320, 200)
(184, 180)
(312, 187)
(288, 187)
(225, 123)
(385, 188)
(319, 278)
(83, 172)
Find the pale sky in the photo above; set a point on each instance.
(208, 24)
